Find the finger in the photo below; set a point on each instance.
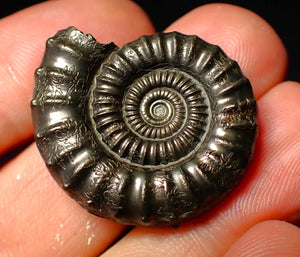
(39, 219)
(270, 190)
(269, 238)
(244, 36)
(23, 37)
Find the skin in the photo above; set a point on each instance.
(258, 219)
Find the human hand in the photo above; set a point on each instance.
(38, 219)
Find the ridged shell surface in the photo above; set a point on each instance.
(153, 133)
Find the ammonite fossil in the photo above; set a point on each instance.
(152, 133)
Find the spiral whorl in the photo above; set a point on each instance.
(160, 117)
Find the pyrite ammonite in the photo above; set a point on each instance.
(152, 133)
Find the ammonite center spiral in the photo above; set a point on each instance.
(152, 133)
(157, 119)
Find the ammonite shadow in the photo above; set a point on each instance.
(153, 133)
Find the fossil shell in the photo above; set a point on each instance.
(153, 133)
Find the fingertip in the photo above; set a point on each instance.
(244, 36)
(115, 20)
(268, 238)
